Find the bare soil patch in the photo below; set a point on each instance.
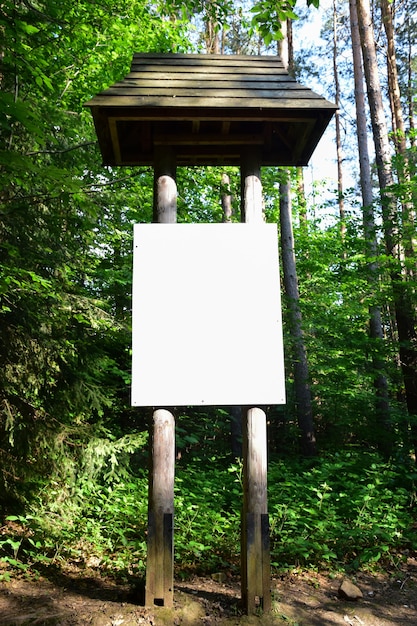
(299, 599)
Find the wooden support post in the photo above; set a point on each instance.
(255, 558)
(165, 188)
(160, 560)
(251, 188)
(160, 557)
(255, 552)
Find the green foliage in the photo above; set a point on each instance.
(203, 432)
(336, 297)
(92, 506)
(335, 301)
(347, 510)
(350, 510)
(207, 517)
(269, 16)
(66, 234)
(206, 205)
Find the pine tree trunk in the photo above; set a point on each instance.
(404, 310)
(302, 202)
(226, 198)
(300, 364)
(301, 374)
(394, 87)
(211, 35)
(339, 152)
(375, 322)
(410, 75)
(408, 211)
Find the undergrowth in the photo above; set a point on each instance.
(347, 510)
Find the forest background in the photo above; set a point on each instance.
(73, 452)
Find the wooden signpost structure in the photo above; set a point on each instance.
(175, 109)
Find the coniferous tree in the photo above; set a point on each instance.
(376, 332)
(405, 314)
(406, 36)
(64, 273)
(302, 389)
(339, 154)
(408, 217)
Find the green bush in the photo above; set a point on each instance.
(347, 510)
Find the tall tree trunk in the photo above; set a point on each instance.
(301, 374)
(300, 364)
(404, 310)
(302, 202)
(410, 78)
(226, 198)
(408, 211)
(371, 245)
(339, 152)
(211, 35)
(394, 87)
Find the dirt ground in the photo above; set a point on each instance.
(299, 599)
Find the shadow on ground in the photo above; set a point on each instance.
(87, 598)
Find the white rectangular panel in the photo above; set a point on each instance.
(206, 315)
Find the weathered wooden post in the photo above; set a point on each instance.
(250, 176)
(160, 542)
(255, 557)
(165, 188)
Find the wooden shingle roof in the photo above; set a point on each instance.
(209, 109)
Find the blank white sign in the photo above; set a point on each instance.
(206, 315)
